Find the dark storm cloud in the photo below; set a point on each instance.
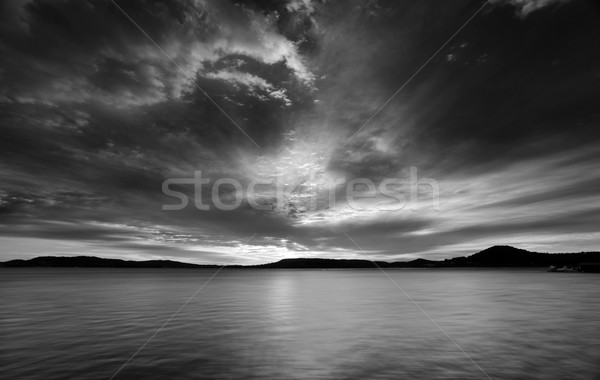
(95, 117)
(509, 95)
(91, 107)
(74, 51)
(515, 88)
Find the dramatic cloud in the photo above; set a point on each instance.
(495, 141)
(88, 51)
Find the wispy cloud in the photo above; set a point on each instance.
(525, 7)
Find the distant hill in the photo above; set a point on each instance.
(507, 256)
(97, 262)
(301, 263)
(493, 257)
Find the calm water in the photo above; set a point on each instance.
(85, 323)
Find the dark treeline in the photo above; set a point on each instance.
(497, 256)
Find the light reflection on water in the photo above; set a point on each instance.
(85, 323)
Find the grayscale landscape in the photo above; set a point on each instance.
(299, 189)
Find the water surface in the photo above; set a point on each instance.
(76, 323)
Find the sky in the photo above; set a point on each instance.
(387, 130)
